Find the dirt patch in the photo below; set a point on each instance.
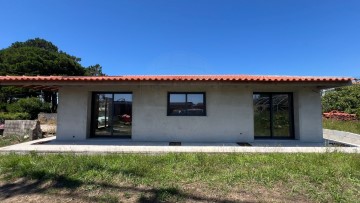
(37, 191)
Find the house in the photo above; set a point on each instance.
(191, 108)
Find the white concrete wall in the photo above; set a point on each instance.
(308, 117)
(229, 112)
(229, 115)
(73, 114)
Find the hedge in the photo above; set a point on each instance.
(33, 106)
(14, 116)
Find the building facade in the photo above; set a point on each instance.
(227, 108)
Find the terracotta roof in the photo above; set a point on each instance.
(240, 78)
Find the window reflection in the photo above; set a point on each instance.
(273, 115)
(281, 114)
(186, 104)
(262, 115)
(177, 104)
(195, 105)
(112, 114)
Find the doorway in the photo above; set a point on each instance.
(273, 115)
(111, 114)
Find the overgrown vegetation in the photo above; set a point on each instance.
(11, 140)
(329, 177)
(348, 126)
(23, 109)
(345, 99)
(13, 116)
(32, 106)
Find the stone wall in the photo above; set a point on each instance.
(47, 118)
(29, 128)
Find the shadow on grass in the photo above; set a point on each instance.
(53, 184)
(32, 186)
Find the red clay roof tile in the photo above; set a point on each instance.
(243, 78)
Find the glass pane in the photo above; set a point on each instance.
(177, 104)
(281, 115)
(122, 115)
(195, 105)
(262, 115)
(103, 107)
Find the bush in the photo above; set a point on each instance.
(33, 106)
(13, 116)
(345, 99)
(2, 107)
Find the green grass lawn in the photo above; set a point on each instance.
(348, 126)
(329, 177)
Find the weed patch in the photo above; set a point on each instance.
(10, 140)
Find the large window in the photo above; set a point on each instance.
(111, 115)
(186, 104)
(273, 115)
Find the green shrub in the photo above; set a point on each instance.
(14, 116)
(33, 106)
(343, 99)
(2, 107)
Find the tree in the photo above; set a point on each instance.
(343, 99)
(37, 57)
(37, 42)
(95, 70)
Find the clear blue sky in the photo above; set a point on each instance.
(277, 37)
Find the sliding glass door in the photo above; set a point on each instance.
(273, 115)
(111, 115)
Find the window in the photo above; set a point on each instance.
(111, 115)
(186, 104)
(273, 115)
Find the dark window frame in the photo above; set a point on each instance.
(291, 116)
(92, 120)
(186, 96)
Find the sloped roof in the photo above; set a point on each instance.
(53, 83)
(240, 78)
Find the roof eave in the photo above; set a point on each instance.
(55, 85)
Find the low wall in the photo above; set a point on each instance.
(47, 118)
(29, 128)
